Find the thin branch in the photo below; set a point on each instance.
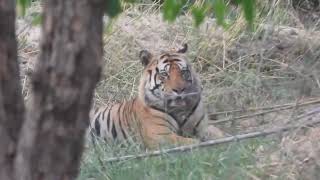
(313, 101)
(225, 140)
(264, 112)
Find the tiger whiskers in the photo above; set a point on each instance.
(165, 98)
(189, 94)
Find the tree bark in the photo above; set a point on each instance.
(11, 101)
(63, 83)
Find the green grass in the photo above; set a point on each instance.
(232, 161)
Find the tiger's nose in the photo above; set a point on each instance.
(178, 90)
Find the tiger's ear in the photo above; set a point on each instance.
(183, 49)
(145, 57)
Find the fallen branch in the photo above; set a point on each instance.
(291, 105)
(218, 141)
(264, 112)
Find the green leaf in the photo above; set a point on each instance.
(198, 15)
(249, 10)
(23, 5)
(171, 9)
(219, 8)
(113, 8)
(36, 19)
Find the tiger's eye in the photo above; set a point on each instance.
(163, 74)
(185, 74)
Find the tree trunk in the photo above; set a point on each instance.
(11, 102)
(65, 76)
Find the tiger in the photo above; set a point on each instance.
(169, 108)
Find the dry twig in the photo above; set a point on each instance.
(273, 109)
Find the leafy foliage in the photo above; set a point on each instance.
(36, 18)
(113, 8)
(220, 8)
(249, 10)
(173, 8)
(23, 5)
(198, 14)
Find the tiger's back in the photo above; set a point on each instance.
(115, 121)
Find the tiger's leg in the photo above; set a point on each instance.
(170, 139)
(176, 139)
(207, 132)
(158, 136)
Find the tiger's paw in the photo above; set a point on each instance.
(212, 132)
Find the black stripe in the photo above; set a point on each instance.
(96, 110)
(192, 111)
(124, 134)
(104, 113)
(97, 126)
(113, 128)
(195, 131)
(120, 124)
(158, 109)
(163, 111)
(132, 113)
(171, 60)
(163, 125)
(150, 75)
(125, 112)
(162, 56)
(108, 118)
(155, 78)
(113, 131)
(198, 123)
(172, 128)
(194, 108)
(155, 87)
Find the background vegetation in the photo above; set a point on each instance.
(276, 64)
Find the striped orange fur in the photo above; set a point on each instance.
(168, 109)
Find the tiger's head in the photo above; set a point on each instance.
(169, 81)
